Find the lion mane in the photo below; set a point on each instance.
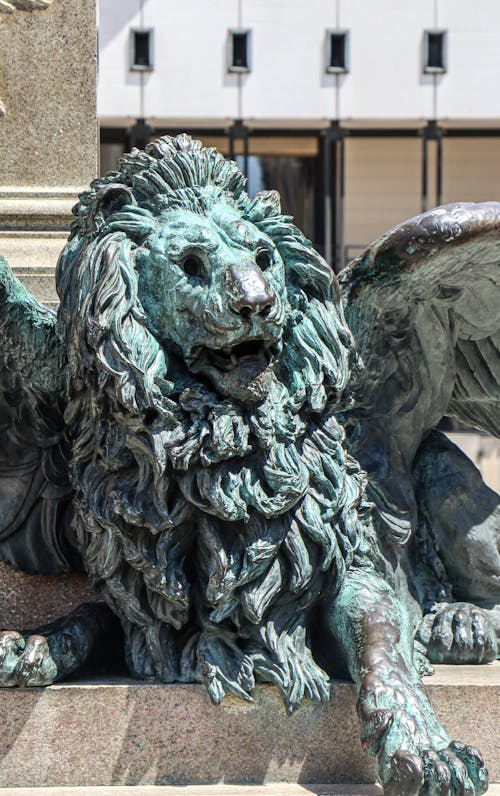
(213, 530)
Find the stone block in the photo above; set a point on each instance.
(48, 125)
(29, 601)
(40, 282)
(129, 733)
(273, 789)
(48, 132)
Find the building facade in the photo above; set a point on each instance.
(361, 112)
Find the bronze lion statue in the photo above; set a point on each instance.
(241, 454)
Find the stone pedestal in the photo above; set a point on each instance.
(48, 126)
(128, 733)
(48, 154)
(30, 601)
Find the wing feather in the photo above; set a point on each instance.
(423, 296)
(423, 303)
(35, 493)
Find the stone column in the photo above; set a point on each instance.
(48, 129)
(48, 154)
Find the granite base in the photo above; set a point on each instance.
(128, 733)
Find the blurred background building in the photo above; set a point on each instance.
(360, 112)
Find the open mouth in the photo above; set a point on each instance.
(256, 353)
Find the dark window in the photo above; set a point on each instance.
(239, 51)
(337, 51)
(434, 51)
(141, 50)
(294, 178)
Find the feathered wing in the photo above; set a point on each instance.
(423, 303)
(35, 493)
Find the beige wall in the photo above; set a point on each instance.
(383, 185)
(471, 169)
(384, 175)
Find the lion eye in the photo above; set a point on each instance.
(263, 259)
(192, 265)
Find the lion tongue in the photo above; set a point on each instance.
(249, 367)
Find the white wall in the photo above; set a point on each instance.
(386, 80)
(288, 81)
(117, 88)
(470, 89)
(190, 78)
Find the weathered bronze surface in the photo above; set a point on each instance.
(195, 428)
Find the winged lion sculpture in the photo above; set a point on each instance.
(242, 453)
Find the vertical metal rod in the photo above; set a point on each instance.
(424, 171)
(239, 132)
(334, 176)
(340, 260)
(327, 202)
(245, 151)
(439, 169)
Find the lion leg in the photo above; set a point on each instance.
(57, 650)
(462, 515)
(414, 754)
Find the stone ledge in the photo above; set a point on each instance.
(35, 250)
(274, 789)
(129, 733)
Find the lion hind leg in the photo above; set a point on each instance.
(461, 515)
(459, 522)
(459, 633)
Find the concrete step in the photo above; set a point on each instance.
(130, 733)
(271, 789)
(40, 281)
(274, 789)
(37, 248)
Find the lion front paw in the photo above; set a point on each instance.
(458, 633)
(457, 770)
(414, 756)
(25, 662)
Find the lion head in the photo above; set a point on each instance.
(207, 358)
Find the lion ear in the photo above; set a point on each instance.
(113, 197)
(263, 205)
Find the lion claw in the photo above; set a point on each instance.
(406, 775)
(25, 662)
(458, 633)
(457, 770)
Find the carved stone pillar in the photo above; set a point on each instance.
(48, 127)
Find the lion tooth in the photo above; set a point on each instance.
(234, 359)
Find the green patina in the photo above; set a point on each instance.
(239, 453)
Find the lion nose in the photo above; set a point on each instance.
(249, 292)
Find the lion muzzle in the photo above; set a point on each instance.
(248, 291)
